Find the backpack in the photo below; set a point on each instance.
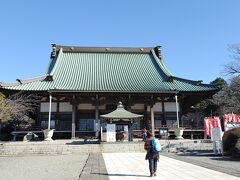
(155, 145)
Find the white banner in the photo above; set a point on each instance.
(111, 132)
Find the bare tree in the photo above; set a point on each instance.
(233, 67)
(21, 107)
(4, 109)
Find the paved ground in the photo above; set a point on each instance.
(94, 168)
(113, 166)
(51, 167)
(133, 166)
(208, 160)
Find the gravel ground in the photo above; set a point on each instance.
(64, 167)
(208, 160)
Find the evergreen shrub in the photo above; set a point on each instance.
(231, 142)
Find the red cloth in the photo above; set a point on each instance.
(206, 126)
(235, 118)
(231, 118)
(210, 123)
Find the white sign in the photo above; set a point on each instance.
(126, 128)
(103, 135)
(232, 125)
(111, 132)
(216, 134)
(216, 137)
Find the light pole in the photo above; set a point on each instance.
(176, 98)
(50, 109)
(48, 133)
(178, 131)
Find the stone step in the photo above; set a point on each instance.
(78, 146)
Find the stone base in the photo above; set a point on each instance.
(48, 133)
(178, 133)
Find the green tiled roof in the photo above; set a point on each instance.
(121, 114)
(108, 70)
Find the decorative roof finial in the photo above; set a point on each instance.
(120, 105)
(54, 52)
(157, 50)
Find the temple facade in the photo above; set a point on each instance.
(83, 83)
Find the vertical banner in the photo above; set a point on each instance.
(231, 121)
(210, 123)
(111, 132)
(206, 126)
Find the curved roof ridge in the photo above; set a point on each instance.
(57, 61)
(103, 49)
(165, 70)
(199, 82)
(26, 81)
(164, 65)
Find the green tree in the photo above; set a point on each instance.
(212, 107)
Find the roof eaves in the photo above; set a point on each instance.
(21, 82)
(79, 91)
(197, 83)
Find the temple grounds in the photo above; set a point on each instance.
(116, 166)
(42, 167)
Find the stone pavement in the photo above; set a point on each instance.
(42, 167)
(94, 168)
(133, 166)
(98, 166)
(207, 159)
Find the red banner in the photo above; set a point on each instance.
(210, 123)
(231, 121)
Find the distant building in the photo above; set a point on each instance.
(86, 82)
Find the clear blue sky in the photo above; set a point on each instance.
(194, 34)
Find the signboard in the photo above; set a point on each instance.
(216, 137)
(216, 134)
(231, 125)
(111, 132)
(126, 128)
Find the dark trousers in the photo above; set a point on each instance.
(152, 165)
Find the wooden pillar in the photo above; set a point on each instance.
(97, 108)
(97, 117)
(164, 122)
(74, 107)
(146, 123)
(57, 118)
(130, 133)
(176, 98)
(152, 120)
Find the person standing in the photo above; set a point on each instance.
(144, 134)
(151, 156)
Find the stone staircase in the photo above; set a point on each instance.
(93, 146)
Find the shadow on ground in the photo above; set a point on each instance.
(132, 175)
(208, 153)
(82, 142)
